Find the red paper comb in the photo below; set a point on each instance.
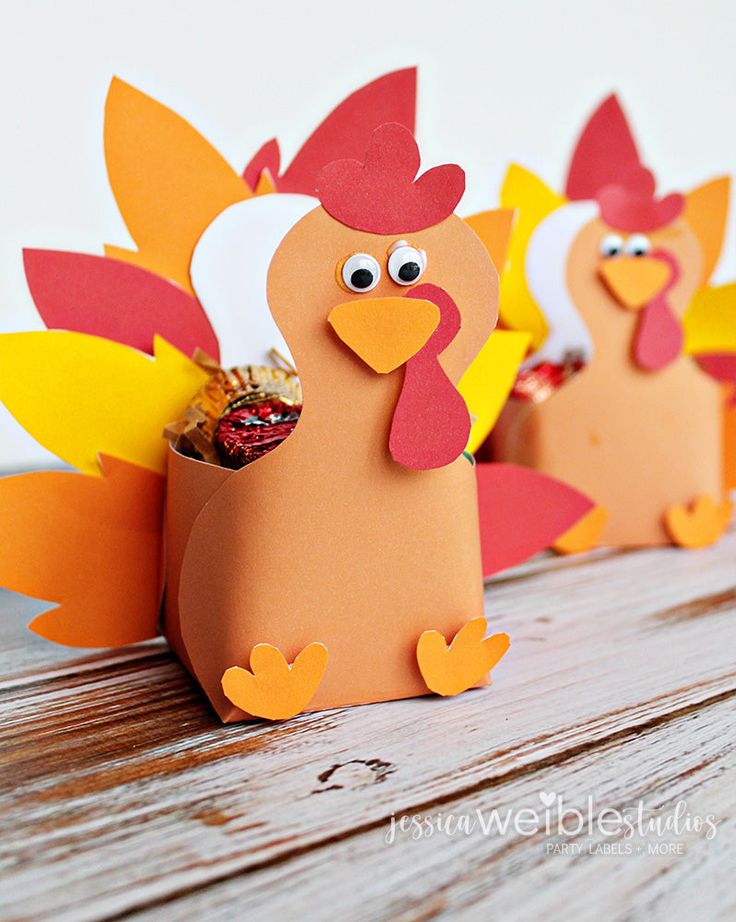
(606, 167)
(627, 209)
(382, 195)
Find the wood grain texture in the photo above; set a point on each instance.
(121, 793)
(514, 876)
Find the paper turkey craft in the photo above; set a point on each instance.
(609, 279)
(351, 551)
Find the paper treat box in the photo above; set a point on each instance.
(610, 280)
(341, 547)
(336, 569)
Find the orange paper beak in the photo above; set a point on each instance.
(635, 280)
(385, 332)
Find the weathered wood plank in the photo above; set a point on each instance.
(20, 649)
(126, 791)
(517, 876)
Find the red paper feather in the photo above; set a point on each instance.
(522, 512)
(344, 133)
(605, 154)
(268, 158)
(116, 300)
(721, 366)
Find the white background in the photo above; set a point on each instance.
(497, 82)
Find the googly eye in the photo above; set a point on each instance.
(406, 265)
(611, 245)
(638, 245)
(360, 272)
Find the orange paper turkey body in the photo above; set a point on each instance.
(639, 441)
(639, 428)
(338, 550)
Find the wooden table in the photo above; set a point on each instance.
(122, 795)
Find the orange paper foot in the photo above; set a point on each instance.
(470, 657)
(701, 524)
(274, 689)
(585, 534)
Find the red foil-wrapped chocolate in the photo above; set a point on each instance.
(541, 381)
(248, 432)
(239, 415)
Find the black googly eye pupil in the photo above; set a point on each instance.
(361, 278)
(409, 271)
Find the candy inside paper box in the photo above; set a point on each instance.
(315, 336)
(622, 394)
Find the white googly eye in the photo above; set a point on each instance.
(638, 245)
(406, 265)
(611, 245)
(360, 272)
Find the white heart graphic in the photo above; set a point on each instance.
(547, 798)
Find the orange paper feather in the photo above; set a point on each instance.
(168, 181)
(91, 544)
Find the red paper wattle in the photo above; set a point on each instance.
(659, 336)
(431, 425)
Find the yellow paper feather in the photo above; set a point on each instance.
(533, 200)
(81, 395)
(487, 383)
(710, 321)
